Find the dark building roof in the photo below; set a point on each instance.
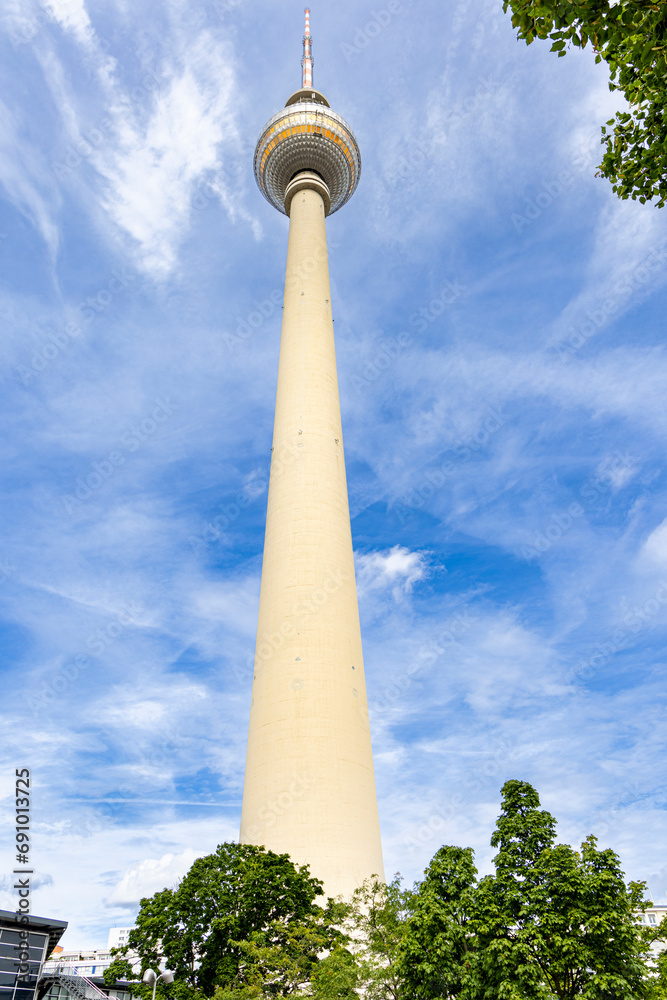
(54, 928)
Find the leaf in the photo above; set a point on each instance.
(631, 37)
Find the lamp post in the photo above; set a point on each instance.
(152, 977)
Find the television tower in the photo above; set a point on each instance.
(309, 782)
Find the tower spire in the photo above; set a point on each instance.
(307, 61)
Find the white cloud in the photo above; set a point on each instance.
(160, 157)
(655, 546)
(151, 876)
(30, 188)
(626, 262)
(73, 17)
(396, 568)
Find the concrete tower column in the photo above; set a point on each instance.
(309, 783)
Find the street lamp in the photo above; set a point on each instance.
(152, 977)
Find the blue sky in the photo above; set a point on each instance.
(500, 325)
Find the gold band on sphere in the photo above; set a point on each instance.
(307, 135)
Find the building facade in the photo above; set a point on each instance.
(24, 948)
(652, 917)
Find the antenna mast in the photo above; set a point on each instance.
(307, 61)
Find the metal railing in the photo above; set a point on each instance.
(78, 986)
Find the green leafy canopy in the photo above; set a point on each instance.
(552, 923)
(235, 912)
(631, 37)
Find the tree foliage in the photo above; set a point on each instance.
(378, 921)
(438, 947)
(554, 922)
(658, 985)
(240, 915)
(120, 968)
(336, 976)
(631, 37)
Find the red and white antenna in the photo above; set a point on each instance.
(307, 61)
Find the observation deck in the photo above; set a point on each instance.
(306, 135)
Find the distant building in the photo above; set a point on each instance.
(118, 937)
(79, 975)
(87, 963)
(23, 950)
(652, 917)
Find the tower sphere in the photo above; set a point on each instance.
(307, 136)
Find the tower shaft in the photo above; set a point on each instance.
(309, 784)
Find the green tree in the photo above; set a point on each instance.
(284, 957)
(120, 968)
(336, 976)
(659, 986)
(378, 920)
(217, 927)
(631, 37)
(554, 922)
(437, 951)
(658, 978)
